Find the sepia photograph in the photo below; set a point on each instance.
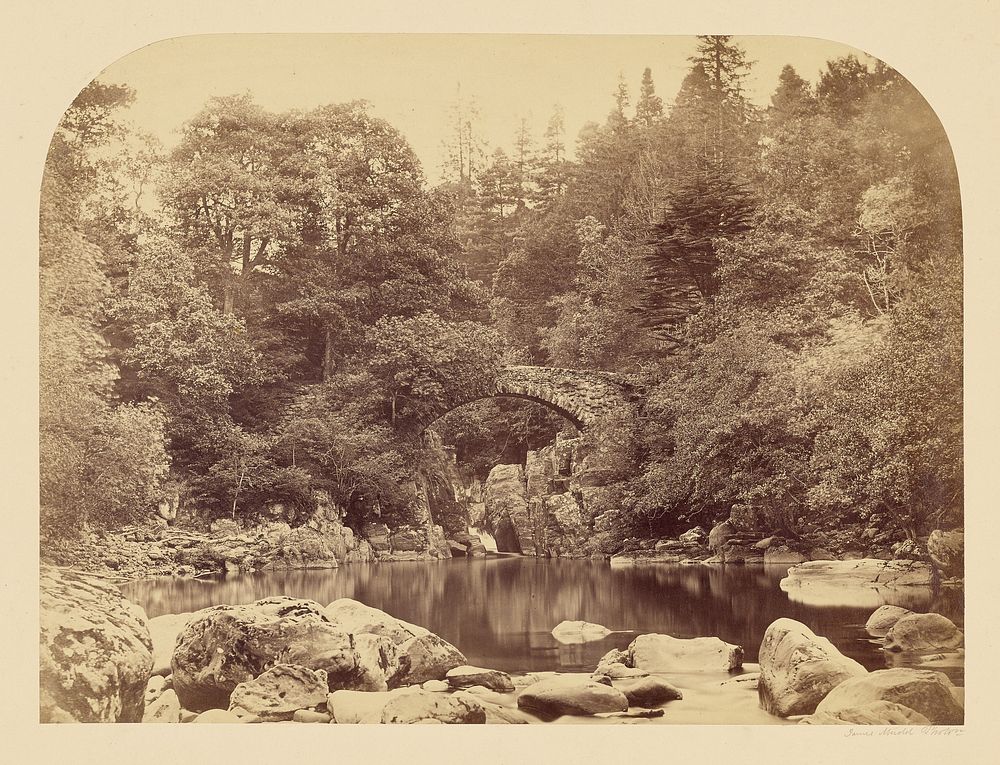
(501, 379)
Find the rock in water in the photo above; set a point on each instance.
(922, 690)
(574, 632)
(223, 646)
(95, 653)
(466, 677)
(648, 692)
(418, 706)
(947, 552)
(883, 619)
(875, 713)
(216, 716)
(865, 572)
(280, 692)
(664, 653)
(559, 696)
(798, 668)
(923, 632)
(719, 535)
(359, 707)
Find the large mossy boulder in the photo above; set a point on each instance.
(95, 653)
(883, 619)
(798, 668)
(278, 693)
(223, 646)
(946, 550)
(924, 691)
(923, 632)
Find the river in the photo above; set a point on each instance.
(500, 610)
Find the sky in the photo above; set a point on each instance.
(411, 80)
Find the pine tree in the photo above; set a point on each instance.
(793, 95)
(650, 106)
(707, 204)
(554, 173)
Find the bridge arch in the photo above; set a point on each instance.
(581, 396)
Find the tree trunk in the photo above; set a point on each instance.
(329, 362)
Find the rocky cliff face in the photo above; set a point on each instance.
(542, 508)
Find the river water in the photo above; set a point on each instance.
(499, 611)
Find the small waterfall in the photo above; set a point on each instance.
(485, 537)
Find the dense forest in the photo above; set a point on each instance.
(282, 304)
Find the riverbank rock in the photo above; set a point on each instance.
(95, 653)
(310, 716)
(356, 618)
(719, 535)
(279, 692)
(217, 716)
(924, 691)
(507, 509)
(163, 630)
(223, 646)
(419, 706)
(923, 632)
(946, 550)
(883, 619)
(360, 707)
(798, 668)
(664, 653)
(467, 676)
(427, 658)
(874, 713)
(573, 632)
(782, 554)
(648, 691)
(166, 708)
(865, 572)
(559, 696)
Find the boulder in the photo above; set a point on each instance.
(166, 708)
(823, 581)
(782, 554)
(883, 619)
(500, 715)
(946, 550)
(280, 691)
(573, 632)
(720, 534)
(873, 713)
(95, 653)
(922, 690)
(217, 716)
(354, 707)
(798, 668)
(436, 685)
(695, 536)
(664, 653)
(310, 716)
(408, 708)
(155, 686)
(648, 692)
(923, 632)
(223, 646)
(467, 676)
(506, 508)
(356, 618)
(571, 695)
(164, 631)
(408, 540)
(427, 657)
(617, 670)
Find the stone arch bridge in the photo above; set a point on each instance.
(583, 397)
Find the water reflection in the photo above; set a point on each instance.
(500, 611)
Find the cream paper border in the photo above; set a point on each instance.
(52, 49)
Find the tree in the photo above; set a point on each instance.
(650, 106)
(793, 96)
(554, 174)
(706, 206)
